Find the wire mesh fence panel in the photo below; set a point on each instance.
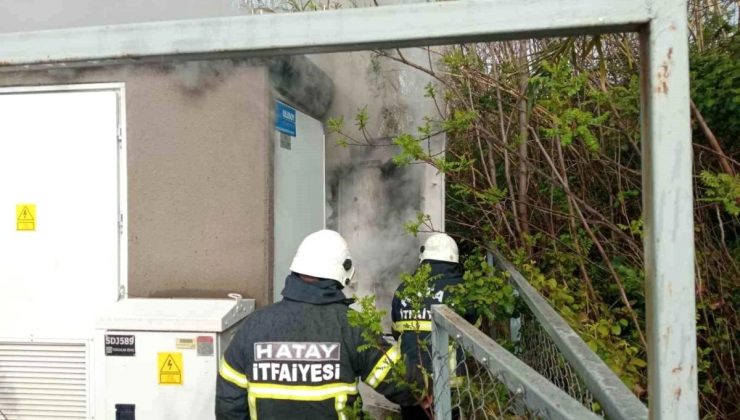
(487, 380)
(477, 391)
(536, 348)
(547, 344)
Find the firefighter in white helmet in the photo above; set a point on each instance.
(412, 328)
(439, 247)
(298, 358)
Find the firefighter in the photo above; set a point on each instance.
(298, 358)
(412, 327)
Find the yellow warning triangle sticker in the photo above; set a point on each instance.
(25, 215)
(170, 366)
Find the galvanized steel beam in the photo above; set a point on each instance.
(324, 31)
(440, 358)
(540, 395)
(667, 164)
(615, 398)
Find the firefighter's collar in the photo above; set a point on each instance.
(444, 268)
(322, 292)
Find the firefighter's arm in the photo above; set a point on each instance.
(232, 384)
(377, 365)
(395, 315)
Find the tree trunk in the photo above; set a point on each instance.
(523, 173)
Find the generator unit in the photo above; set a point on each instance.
(158, 358)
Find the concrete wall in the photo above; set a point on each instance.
(369, 198)
(199, 212)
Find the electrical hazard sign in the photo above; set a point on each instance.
(25, 217)
(170, 368)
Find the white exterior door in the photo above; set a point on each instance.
(62, 244)
(299, 192)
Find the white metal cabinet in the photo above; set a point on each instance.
(143, 334)
(62, 155)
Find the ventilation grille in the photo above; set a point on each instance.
(43, 380)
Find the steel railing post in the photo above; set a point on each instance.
(440, 353)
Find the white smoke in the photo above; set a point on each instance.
(374, 199)
(370, 198)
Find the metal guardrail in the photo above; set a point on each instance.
(538, 394)
(614, 397)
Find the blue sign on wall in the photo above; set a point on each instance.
(285, 118)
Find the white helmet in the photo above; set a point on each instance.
(324, 254)
(439, 247)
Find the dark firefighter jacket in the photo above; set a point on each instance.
(298, 359)
(413, 329)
